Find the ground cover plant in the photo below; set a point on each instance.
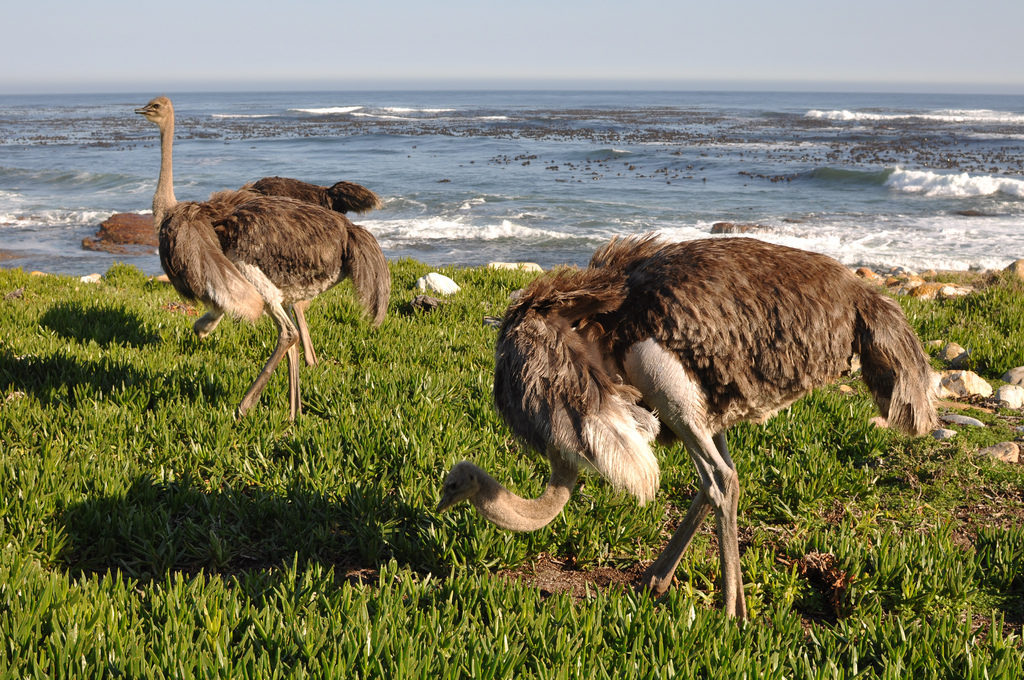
(144, 532)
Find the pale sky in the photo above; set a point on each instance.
(147, 45)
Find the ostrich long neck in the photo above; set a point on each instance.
(163, 199)
(509, 511)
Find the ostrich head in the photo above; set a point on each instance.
(462, 483)
(157, 111)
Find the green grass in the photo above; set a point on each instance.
(146, 533)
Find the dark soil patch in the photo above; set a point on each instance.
(552, 576)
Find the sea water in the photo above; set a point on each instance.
(921, 181)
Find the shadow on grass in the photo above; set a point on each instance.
(104, 325)
(155, 528)
(53, 378)
(62, 379)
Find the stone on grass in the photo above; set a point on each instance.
(91, 278)
(492, 321)
(1015, 376)
(954, 355)
(870, 275)
(1007, 452)
(1010, 396)
(949, 291)
(958, 419)
(958, 384)
(934, 289)
(426, 303)
(1017, 267)
(943, 433)
(437, 283)
(926, 291)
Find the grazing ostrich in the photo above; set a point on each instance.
(244, 254)
(705, 334)
(342, 197)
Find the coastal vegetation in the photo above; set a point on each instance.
(145, 532)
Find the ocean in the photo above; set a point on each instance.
(883, 180)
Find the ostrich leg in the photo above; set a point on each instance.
(658, 576)
(299, 309)
(679, 401)
(294, 400)
(287, 337)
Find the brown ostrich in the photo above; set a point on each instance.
(699, 336)
(244, 254)
(342, 197)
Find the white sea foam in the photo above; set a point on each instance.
(948, 242)
(53, 218)
(437, 227)
(986, 116)
(468, 204)
(406, 109)
(961, 185)
(328, 110)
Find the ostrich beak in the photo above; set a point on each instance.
(446, 502)
(142, 111)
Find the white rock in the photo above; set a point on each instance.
(1010, 396)
(958, 419)
(943, 433)
(964, 384)
(523, 266)
(91, 278)
(948, 292)
(437, 283)
(1015, 376)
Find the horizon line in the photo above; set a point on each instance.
(239, 85)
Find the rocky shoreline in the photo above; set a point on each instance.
(124, 234)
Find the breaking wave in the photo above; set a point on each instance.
(960, 116)
(961, 185)
(328, 110)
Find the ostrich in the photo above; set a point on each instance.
(699, 336)
(244, 254)
(342, 197)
